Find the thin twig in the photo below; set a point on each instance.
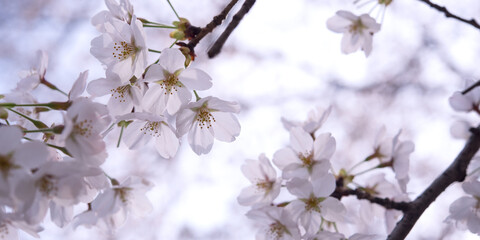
(448, 14)
(217, 46)
(471, 87)
(216, 21)
(385, 202)
(456, 172)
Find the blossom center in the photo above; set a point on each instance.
(122, 194)
(46, 184)
(204, 118)
(83, 128)
(119, 93)
(307, 160)
(277, 230)
(6, 164)
(264, 185)
(152, 128)
(357, 26)
(170, 83)
(123, 50)
(313, 203)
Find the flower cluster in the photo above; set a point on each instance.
(57, 167)
(314, 208)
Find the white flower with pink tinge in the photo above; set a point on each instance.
(84, 122)
(305, 157)
(111, 208)
(314, 202)
(467, 102)
(170, 84)
(265, 184)
(276, 223)
(122, 48)
(357, 31)
(465, 211)
(206, 119)
(146, 126)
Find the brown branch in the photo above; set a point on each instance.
(471, 87)
(385, 202)
(456, 172)
(216, 21)
(448, 14)
(217, 46)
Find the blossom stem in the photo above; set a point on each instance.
(51, 86)
(368, 170)
(173, 44)
(159, 26)
(37, 123)
(145, 21)
(39, 130)
(121, 134)
(153, 50)
(7, 122)
(196, 95)
(62, 149)
(51, 105)
(176, 14)
(355, 166)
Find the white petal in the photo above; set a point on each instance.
(460, 102)
(172, 59)
(195, 79)
(301, 141)
(200, 139)
(225, 127)
(284, 157)
(167, 143)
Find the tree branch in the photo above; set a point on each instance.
(385, 202)
(476, 84)
(455, 172)
(217, 46)
(448, 14)
(216, 21)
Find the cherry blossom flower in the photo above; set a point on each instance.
(393, 153)
(265, 184)
(465, 211)
(146, 126)
(84, 122)
(315, 120)
(122, 11)
(205, 119)
(10, 223)
(313, 203)
(305, 157)
(276, 223)
(122, 48)
(466, 102)
(357, 31)
(170, 83)
(61, 182)
(33, 77)
(111, 208)
(124, 96)
(15, 155)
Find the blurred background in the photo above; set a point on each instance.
(281, 61)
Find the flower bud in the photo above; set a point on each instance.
(3, 113)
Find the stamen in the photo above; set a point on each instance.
(152, 128)
(204, 118)
(123, 50)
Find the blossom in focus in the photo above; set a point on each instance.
(265, 184)
(206, 119)
(276, 223)
(122, 48)
(171, 84)
(84, 122)
(357, 31)
(313, 203)
(305, 157)
(146, 126)
(124, 96)
(465, 211)
(111, 208)
(466, 102)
